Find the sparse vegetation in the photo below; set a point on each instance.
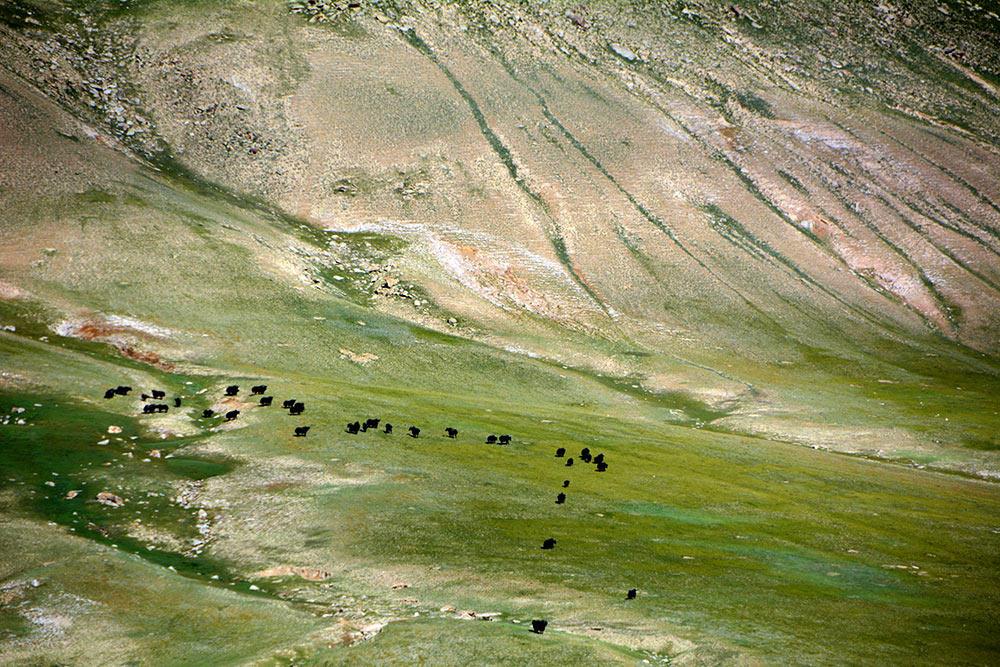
(750, 254)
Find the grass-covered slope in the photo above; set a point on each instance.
(601, 230)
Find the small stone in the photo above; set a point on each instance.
(110, 499)
(624, 52)
(114, 429)
(70, 495)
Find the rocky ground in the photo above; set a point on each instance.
(754, 245)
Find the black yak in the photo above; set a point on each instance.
(549, 543)
(297, 409)
(560, 499)
(585, 455)
(232, 390)
(258, 389)
(266, 400)
(110, 393)
(353, 428)
(561, 452)
(631, 594)
(602, 466)
(504, 439)
(538, 627)
(388, 428)
(451, 432)
(157, 394)
(177, 402)
(289, 403)
(231, 415)
(122, 390)
(300, 431)
(414, 431)
(491, 440)
(205, 414)
(569, 461)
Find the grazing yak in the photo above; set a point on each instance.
(110, 393)
(258, 389)
(231, 415)
(565, 483)
(289, 403)
(205, 414)
(232, 390)
(353, 428)
(599, 459)
(538, 627)
(161, 407)
(561, 452)
(631, 594)
(451, 432)
(585, 455)
(560, 499)
(549, 543)
(504, 439)
(388, 428)
(122, 390)
(148, 408)
(177, 402)
(569, 461)
(157, 394)
(491, 440)
(297, 409)
(266, 400)
(414, 431)
(300, 431)
(602, 466)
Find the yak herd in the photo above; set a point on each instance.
(296, 407)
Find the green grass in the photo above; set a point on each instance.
(744, 549)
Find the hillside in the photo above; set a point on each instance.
(750, 253)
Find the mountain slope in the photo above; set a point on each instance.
(689, 236)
